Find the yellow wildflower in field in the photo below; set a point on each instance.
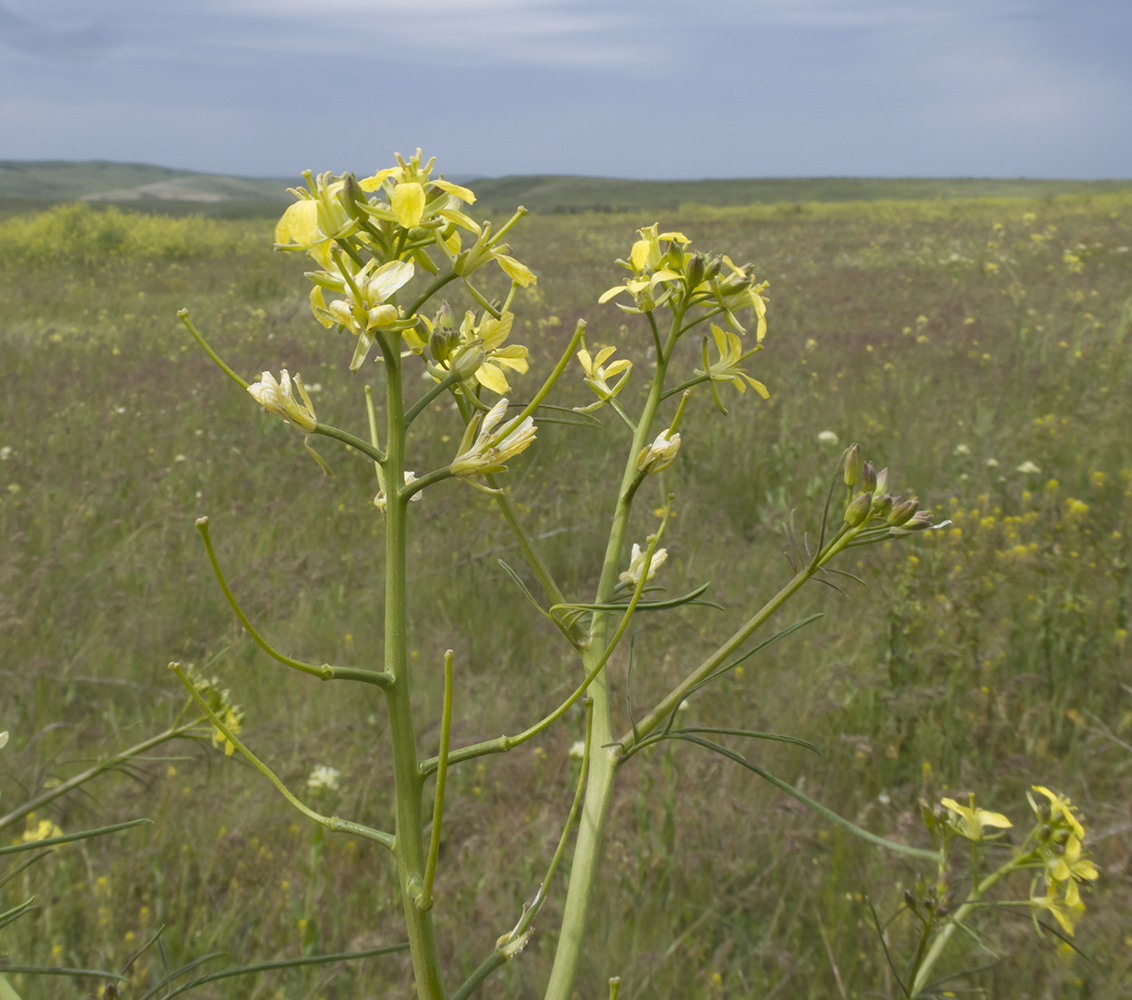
(637, 565)
(1067, 910)
(40, 830)
(491, 333)
(598, 374)
(484, 455)
(968, 821)
(727, 369)
(277, 398)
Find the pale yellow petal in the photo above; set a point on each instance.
(374, 182)
(299, 224)
(390, 277)
(462, 193)
(516, 271)
(492, 378)
(639, 255)
(408, 203)
(609, 293)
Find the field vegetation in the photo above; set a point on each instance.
(981, 348)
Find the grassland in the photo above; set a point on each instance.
(956, 340)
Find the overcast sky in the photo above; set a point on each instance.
(629, 88)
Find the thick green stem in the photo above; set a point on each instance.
(410, 848)
(604, 760)
(940, 943)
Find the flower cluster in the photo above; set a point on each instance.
(1064, 864)
(665, 272)
(220, 703)
(477, 350)
(874, 512)
(598, 375)
(394, 218)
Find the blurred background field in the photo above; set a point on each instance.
(963, 340)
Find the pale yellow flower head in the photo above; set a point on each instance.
(726, 369)
(489, 335)
(968, 821)
(278, 398)
(598, 375)
(659, 455)
(637, 565)
(484, 456)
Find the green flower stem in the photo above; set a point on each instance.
(354, 442)
(324, 672)
(663, 708)
(445, 383)
(429, 292)
(476, 294)
(425, 900)
(408, 781)
(371, 417)
(409, 490)
(333, 823)
(603, 765)
(172, 733)
(552, 378)
(940, 943)
(534, 560)
(183, 316)
(501, 955)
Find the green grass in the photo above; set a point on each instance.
(995, 653)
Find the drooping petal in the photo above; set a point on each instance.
(389, 278)
(299, 224)
(517, 272)
(462, 193)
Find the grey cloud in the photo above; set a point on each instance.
(32, 38)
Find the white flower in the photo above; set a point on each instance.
(992, 463)
(277, 397)
(828, 437)
(659, 455)
(4, 739)
(379, 500)
(578, 749)
(323, 777)
(637, 565)
(5, 453)
(483, 456)
(961, 449)
(1028, 468)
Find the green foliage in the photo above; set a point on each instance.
(996, 667)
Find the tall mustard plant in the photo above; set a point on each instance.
(384, 248)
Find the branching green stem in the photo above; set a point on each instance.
(354, 442)
(324, 672)
(333, 823)
(183, 316)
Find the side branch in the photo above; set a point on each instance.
(324, 672)
(333, 823)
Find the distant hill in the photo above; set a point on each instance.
(30, 184)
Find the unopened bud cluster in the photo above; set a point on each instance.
(870, 505)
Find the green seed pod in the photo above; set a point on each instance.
(858, 511)
(853, 464)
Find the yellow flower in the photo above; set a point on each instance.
(1067, 863)
(598, 375)
(484, 249)
(1060, 809)
(42, 830)
(277, 397)
(647, 262)
(637, 565)
(727, 369)
(491, 333)
(1067, 910)
(659, 455)
(317, 219)
(969, 821)
(485, 454)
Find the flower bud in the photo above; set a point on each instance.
(882, 505)
(882, 481)
(902, 512)
(694, 270)
(868, 478)
(659, 455)
(443, 318)
(853, 464)
(438, 346)
(468, 359)
(910, 900)
(927, 815)
(858, 511)
(712, 268)
(736, 283)
(351, 195)
(921, 520)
